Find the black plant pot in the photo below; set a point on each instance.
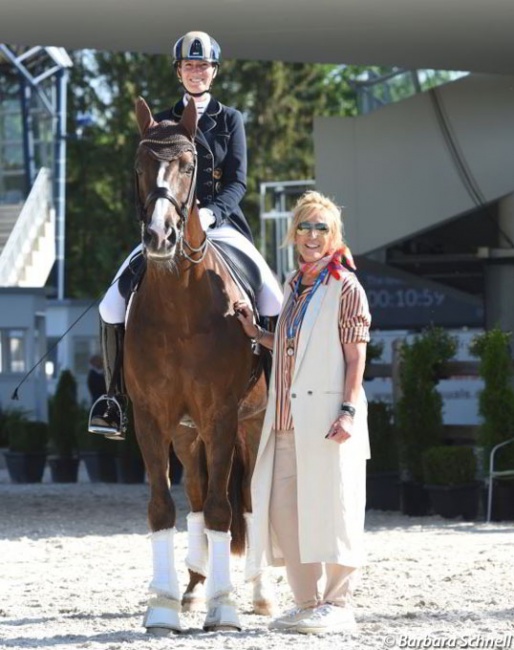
(451, 501)
(383, 491)
(503, 501)
(100, 466)
(130, 469)
(64, 469)
(415, 501)
(25, 467)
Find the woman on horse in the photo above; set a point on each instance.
(220, 186)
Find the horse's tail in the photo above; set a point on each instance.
(235, 494)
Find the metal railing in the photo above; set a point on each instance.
(276, 203)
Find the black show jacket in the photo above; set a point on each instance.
(221, 176)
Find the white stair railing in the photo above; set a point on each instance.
(37, 213)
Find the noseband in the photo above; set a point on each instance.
(168, 149)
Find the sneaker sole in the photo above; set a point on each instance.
(329, 629)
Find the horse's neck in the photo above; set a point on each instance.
(195, 287)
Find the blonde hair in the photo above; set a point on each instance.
(313, 202)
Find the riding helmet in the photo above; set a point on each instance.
(196, 46)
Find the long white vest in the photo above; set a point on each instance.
(331, 477)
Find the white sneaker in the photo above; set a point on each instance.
(327, 618)
(288, 620)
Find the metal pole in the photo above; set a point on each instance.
(60, 177)
(28, 134)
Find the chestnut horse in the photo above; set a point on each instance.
(187, 358)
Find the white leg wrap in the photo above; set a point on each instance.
(251, 569)
(197, 553)
(218, 574)
(165, 580)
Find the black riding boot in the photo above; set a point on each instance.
(112, 423)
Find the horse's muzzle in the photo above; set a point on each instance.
(159, 245)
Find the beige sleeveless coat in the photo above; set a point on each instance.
(331, 477)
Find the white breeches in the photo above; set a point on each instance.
(269, 298)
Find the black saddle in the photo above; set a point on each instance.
(242, 268)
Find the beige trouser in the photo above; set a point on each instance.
(311, 583)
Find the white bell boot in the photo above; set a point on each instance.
(221, 613)
(162, 614)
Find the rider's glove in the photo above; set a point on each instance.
(207, 218)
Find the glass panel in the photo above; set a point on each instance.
(52, 365)
(83, 348)
(17, 361)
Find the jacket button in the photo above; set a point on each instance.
(293, 395)
(208, 197)
(208, 169)
(208, 183)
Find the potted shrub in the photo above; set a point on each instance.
(27, 439)
(418, 412)
(450, 476)
(382, 478)
(97, 452)
(63, 411)
(496, 406)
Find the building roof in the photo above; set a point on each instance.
(442, 34)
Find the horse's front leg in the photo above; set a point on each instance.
(162, 614)
(219, 439)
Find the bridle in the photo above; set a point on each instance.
(176, 146)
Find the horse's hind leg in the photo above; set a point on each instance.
(263, 597)
(162, 615)
(191, 452)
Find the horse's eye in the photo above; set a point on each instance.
(187, 169)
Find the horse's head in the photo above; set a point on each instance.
(165, 179)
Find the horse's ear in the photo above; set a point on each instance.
(188, 119)
(144, 116)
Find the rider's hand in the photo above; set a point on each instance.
(207, 218)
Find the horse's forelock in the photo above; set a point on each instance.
(166, 140)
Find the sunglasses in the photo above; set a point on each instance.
(306, 226)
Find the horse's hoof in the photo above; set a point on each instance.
(222, 616)
(161, 631)
(264, 608)
(162, 617)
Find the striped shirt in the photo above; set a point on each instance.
(200, 106)
(354, 322)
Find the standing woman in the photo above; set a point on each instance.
(308, 487)
(220, 143)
